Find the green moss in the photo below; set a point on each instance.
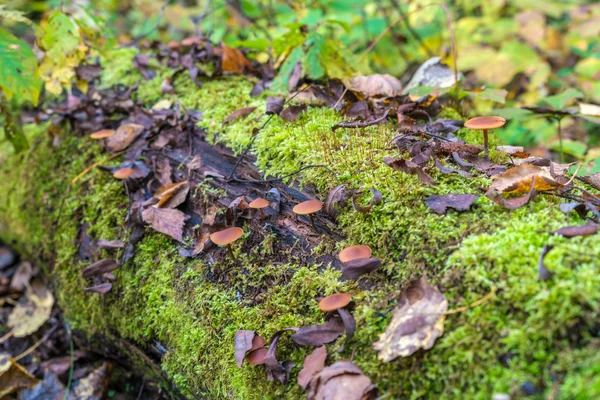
(531, 331)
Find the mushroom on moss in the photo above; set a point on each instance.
(123, 173)
(354, 253)
(485, 124)
(259, 204)
(102, 134)
(226, 237)
(335, 302)
(308, 207)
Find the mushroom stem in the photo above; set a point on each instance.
(312, 222)
(230, 251)
(485, 143)
(260, 213)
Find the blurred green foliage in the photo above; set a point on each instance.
(529, 48)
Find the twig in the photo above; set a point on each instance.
(7, 336)
(474, 304)
(91, 167)
(36, 344)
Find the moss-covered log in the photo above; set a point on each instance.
(544, 333)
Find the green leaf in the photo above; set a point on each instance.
(61, 37)
(561, 100)
(18, 69)
(514, 113)
(313, 63)
(14, 15)
(280, 83)
(497, 95)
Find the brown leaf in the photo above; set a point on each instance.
(234, 60)
(99, 267)
(22, 276)
(162, 171)
(279, 370)
(377, 85)
(165, 220)
(102, 288)
(242, 344)
(341, 381)
(318, 335)
(51, 388)
(355, 268)
(447, 170)
(409, 167)
(242, 112)
(292, 112)
(543, 272)
(416, 322)
(458, 202)
(211, 214)
(313, 364)
(124, 136)
(13, 376)
(274, 105)
(338, 194)
(201, 243)
(581, 230)
(348, 321)
(172, 195)
(376, 199)
(29, 315)
(95, 385)
(110, 244)
(514, 202)
(517, 180)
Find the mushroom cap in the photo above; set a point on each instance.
(480, 123)
(259, 203)
(354, 253)
(335, 301)
(226, 236)
(308, 207)
(103, 134)
(123, 173)
(257, 357)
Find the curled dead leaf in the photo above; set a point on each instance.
(238, 114)
(242, 344)
(409, 167)
(376, 199)
(342, 380)
(335, 198)
(416, 322)
(234, 60)
(459, 202)
(172, 195)
(376, 85)
(123, 137)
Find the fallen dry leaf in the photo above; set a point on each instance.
(279, 370)
(513, 203)
(292, 113)
(313, 363)
(99, 267)
(409, 167)
(335, 198)
(13, 376)
(341, 381)
(95, 385)
(274, 105)
(234, 60)
(377, 85)
(165, 220)
(102, 288)
(416, 322)
(439, 204)
(123, 137)
(242, 344)
(237, 114)
(172, 195)
(51, 388)
(22, 276)
(517, 180)
(580, 230)
(29, 315)
(318, 335)
(376, 199)
(543, 272)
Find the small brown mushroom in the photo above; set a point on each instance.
(257, 357)
(123, 173)
(354, 253)
(102, 134)
(485, 124)
(308, 207)
(335, 301)
(226, 237)
(259, 204)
